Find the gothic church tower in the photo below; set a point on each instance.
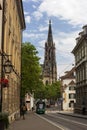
(49, 66)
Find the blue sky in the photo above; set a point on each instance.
(67, 16)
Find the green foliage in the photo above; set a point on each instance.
(4, 119)
(40, 91)
(53, 91)
(49, 91)
(31, 69)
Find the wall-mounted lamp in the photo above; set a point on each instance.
(7, 66)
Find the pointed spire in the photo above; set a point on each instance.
(50, 37)
(50, 30)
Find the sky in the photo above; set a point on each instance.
(68, 18)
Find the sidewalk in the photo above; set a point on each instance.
(32, 122)
(69, 113)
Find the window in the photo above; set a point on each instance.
(71, 104)
(71, 96)
(72, 88)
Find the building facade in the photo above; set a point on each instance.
(29, 101)
(49, 66)
(13, 24)
(68, 83)
(80, 53)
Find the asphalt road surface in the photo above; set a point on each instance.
(66, 122)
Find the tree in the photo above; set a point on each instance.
(50, 91)
(53, 91)
(31, 69)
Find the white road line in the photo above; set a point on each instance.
(55, 124)
(76, 122)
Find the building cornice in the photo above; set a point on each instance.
(82, 36)
(21, 13)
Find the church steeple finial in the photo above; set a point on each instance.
(50, 37)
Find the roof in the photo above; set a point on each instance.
(69, 75)
(72, 83)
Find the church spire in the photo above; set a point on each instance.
(50, 37)
(49, 66)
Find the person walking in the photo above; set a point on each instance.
(23, 111)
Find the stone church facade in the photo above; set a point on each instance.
(49, 66)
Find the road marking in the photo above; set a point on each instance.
(55, 124)
(69, 120)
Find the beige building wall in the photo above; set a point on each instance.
(13, 25)
(0, 32)
(0, 28)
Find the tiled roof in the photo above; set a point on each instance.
(69, 75)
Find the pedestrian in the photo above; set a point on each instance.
(23, 111)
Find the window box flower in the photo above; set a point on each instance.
(4, 82)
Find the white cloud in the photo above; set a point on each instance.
(65, 41)
(26, 13)
(27, 19)
(37, 15)
(33, 35)
(31, 0)
(71, 10)
(35, 0)
(34, 6)
(42, 28)
(25, 0)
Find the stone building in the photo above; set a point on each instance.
(68, 85)
(49, 66)
(80, 53)
(13, 23)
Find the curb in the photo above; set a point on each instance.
(73, 115)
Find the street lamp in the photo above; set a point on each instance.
(7, 66)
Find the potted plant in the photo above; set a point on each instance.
(4, 121)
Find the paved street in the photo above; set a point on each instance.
(32, 122)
